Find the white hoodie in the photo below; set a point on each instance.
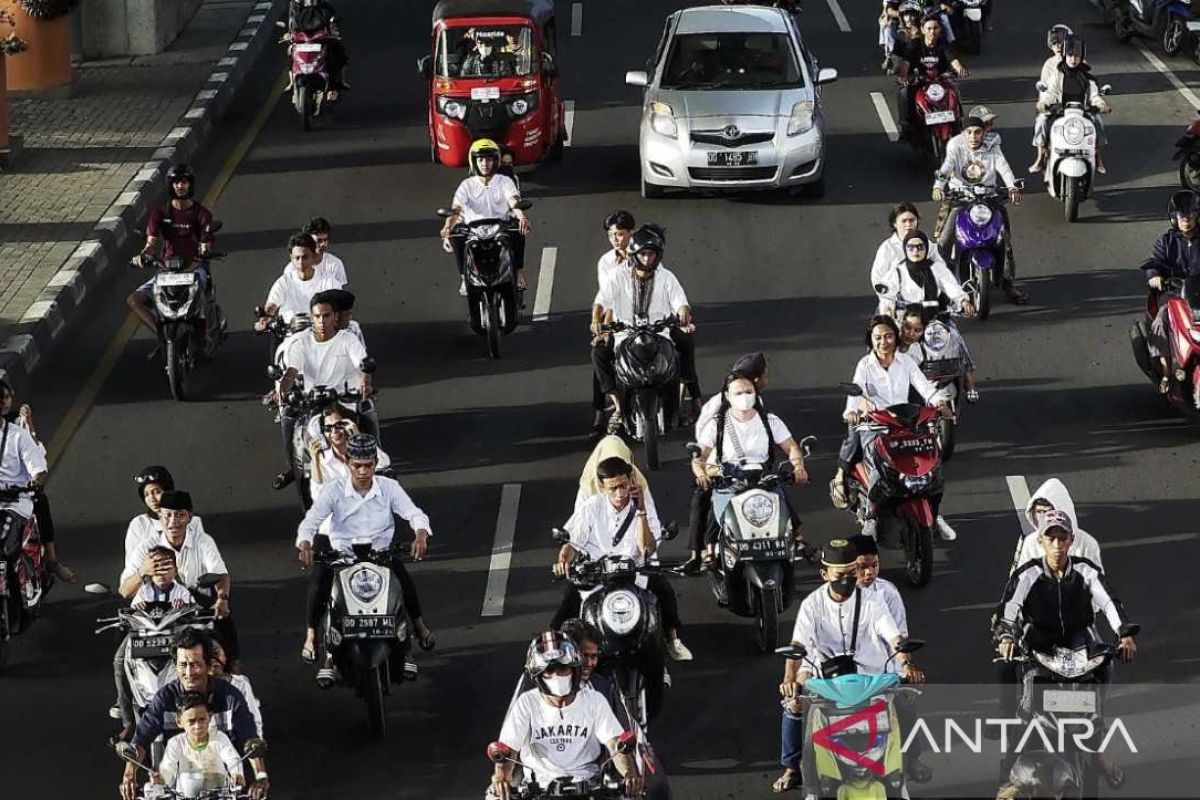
(1054, 492)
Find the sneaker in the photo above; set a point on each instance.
(678, 651)
(411, 670)
(947, 533)
(615, 423)
(462, 287)
(114, 712)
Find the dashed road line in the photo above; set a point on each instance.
(506, 527)
(842, 23)
(545, 287)
(569, 121)
(885, 116)
(577, 19)
(1179, 85)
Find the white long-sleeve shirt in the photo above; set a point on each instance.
(902, 289)
(888, 386)
(826, 628)
(23, 458)
(889, 254)
(595, 523)
(361, 517)
(989, 155)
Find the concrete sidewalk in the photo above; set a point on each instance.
(94, 162)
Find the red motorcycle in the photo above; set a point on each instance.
(24, 577)
(1181, 295)
(309, 71)
(1187, 153)
(895, 483)
(936, 114)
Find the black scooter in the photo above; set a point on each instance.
(648, 380)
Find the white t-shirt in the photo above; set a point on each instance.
(826, 628)
(595, 523)
(333, 266)
(198, 556)
(183, 766)
(149, 593)
(608, 265)
(667, 295)
(888, 386)
(560, 742)
(333, 363)
(145, 528)
(293, 296)
(751, 435)
(479, 200)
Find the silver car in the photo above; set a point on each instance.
(732, 103)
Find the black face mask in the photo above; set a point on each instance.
(844, 586)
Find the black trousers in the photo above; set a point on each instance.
(668, 603)
(458, 243)
(685, 344)
(320, 585)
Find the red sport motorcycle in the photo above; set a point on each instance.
(935, 115)
(895, 484)
(1181, 297)
(310, 75)
(1187, 153)
(25, 579)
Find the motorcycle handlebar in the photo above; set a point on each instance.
(616, 326)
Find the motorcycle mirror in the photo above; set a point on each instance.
(560, 536)
(499, 752)
(97, 588)
(852, 389)
(1041, 87)
(425, 66)
(208, 580)
(548, 65)
(524, 205)
(881, 288)
(694, 449)
(670, 531)
(128, 752)
(368, 365)
(215, 226)
(1019, 184)
(259, 311)
(255, 748)
(1106, 89)
(626, 742)
(274, 372)
(792, 652)
(445, 213)
(910, 645)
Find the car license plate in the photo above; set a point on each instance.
(733, 158)
(485, 93)
(176, 278)
(912, 444)
(155, 646)
(1061, 701)
(938, 117)
(763, 549)
(368, 627)
(309, 47)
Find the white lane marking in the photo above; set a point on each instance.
(1179, 85)
(569, 121)
(545, 287)
(843, 23)
(576, 19)
(1169, 538)
(885, 116)
(506, 526)
(972, 607)
(1019, 490)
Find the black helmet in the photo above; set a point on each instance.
(154, 474)
(182, 172)
(1074, 46)
(648, 237)
(1184, 203)
(1057, 33)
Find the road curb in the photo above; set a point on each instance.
(62, 302)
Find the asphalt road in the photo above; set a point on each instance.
(1061, 397)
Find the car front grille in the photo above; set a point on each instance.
(732, 173)
(718, 138)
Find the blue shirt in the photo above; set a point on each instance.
(230, 713)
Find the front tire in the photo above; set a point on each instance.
(1122, 29)
(373, 695)
(946, 435)
(491, 323)
(1174, 36)
(650, 434)
(304, 105)
(1071, 199)
(555, 154)
(766, 623)
(984, 293)
(973, 33)
(918, 553)
(175, 370)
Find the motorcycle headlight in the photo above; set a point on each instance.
(455, 109)
(936, 336)
(366, 584)
(487, 231)
(801, 119)
(916, 482)
(972, 3)
(662, 120)
(980, 214)
(1074, 131)
(758, 509)
(621, 611)
(935, 92)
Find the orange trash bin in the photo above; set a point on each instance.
(47, 62)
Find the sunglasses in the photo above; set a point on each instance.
(341, 425)
(915, 247)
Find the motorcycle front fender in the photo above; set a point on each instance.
(919, 509)
(767, 577)
(1193, 27)
(1072, 167)
(174, 330)
(982, 259)
(364, 656)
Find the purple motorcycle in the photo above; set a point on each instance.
(978, 250)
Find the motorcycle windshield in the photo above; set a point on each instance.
(645, 359)
(851, 691)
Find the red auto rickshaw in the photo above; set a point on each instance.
(494, 74)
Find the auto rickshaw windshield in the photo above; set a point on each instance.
(495, 51)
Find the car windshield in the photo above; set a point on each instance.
(731, 61)
(494, 51)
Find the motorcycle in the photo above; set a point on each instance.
(841, 695)
(493, 298)
(969, 20)
(906, 461)
(254, 748)
(365, 627)
(617, 602)
(754, 575)
(936, 114)
(309, 71)
(978, 249)
(606, 785)
(1071, 168)
(190, 326)
(279, 330)
(1182, 295)
(25, 579)
(1166, 21)
(892, 37)
(1187, 153)
(647, 371)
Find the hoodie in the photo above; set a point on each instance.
(1055, 493)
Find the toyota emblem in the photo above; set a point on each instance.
(732, 132)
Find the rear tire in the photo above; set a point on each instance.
(555, 154)
(946, 434)
(651, 191)
(766, 623)
(918, 553)
(1071, 199)
(1122, 30)
(373, 695)
(1174, 36)
(175, 371)
(937, 150)
(491, 324)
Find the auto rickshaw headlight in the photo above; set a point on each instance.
(454, 109)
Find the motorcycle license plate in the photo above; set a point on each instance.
(155, 646)
(309, 47)
(735, 158)
(176, 278)
(763, 549)
(912, 444)
(368, 627)
(485, 93)
(1062, 701)
(938, 117)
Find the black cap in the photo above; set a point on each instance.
(176, 500)
(839, 553)
(864, 545)
(752, 365)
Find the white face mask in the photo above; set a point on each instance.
(558, 685)
(742, 402)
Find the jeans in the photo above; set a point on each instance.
(124, 693)
(658, 585)
(1159, 343)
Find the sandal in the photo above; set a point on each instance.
(789, 780)
(1164, 386)
(427, 642)
(837, 494)
(308, 654)
(61, 571)
(1114, 779)
(325, 677)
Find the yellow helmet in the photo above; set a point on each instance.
(481, 146)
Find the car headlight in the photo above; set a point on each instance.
(972, 3)
(801, 119)
(980, 214)
(621, 611)
(662, 120)
(366, 584)
(455, 109)
(1074, 131)
(935, 92)
(758, 509)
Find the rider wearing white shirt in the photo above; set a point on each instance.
(292, 292)
(918, 278)
(321, 231)
(22, 464)
(903, 219)
(618, 226)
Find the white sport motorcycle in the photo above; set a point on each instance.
(1071, 167)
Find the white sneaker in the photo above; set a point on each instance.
(947, 533)
(462, 287)
(871, 528)
(114, 712)
(678, 651)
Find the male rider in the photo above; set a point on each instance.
(184, 229)
(1176, 255)
(321, 231)
(826, 627)
(313, 16)
(561, 728)
(486, 194)
(930, 52)
(643, 290)
(620, 521)
(292, 292)
(618, 226)
(970, 158)
(230, 711)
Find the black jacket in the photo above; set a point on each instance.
(1055, 610)
(1174, 256)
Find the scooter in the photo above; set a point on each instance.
(969, 20)
(365, 627)
(1187, 153)
(1071, 167)
(1165, 21)
(187, 784)
(309, 71)
(647, 371)
(891, 490)
(852, 721)
(937, 115)
(1181, 296)
(754, 575)
(606, 785)
(25, 579)
(944, 370)
(493, 298)
(617, 602)
(978, 249)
